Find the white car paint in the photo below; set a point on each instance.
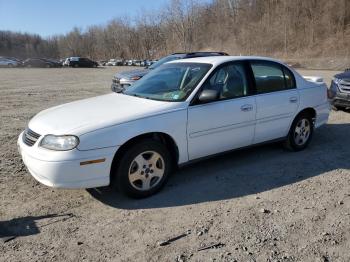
(104, 123)
(210, 134)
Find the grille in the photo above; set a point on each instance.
(30, 137)
(344, 86)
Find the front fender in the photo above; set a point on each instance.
(172, 124)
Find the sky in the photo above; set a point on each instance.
(51, 17)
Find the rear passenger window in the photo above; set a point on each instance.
(271, 77)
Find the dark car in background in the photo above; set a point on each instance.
(340, 90)
(123, 80)
(40, 62)
(55, 63)
(80, 62)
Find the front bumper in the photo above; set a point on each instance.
(341, 99)
(64, 169)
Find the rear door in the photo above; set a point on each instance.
(228, 122)
(277, 100)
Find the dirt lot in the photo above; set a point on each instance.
(262, 204)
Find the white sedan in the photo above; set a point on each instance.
(182, 111)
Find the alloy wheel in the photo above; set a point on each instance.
(302, 132)
(146, 170)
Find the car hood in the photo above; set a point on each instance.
(344, 76)
(90, 114)
(131, 73)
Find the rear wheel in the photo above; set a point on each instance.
(143, 169)
(75, 65)
(10, 65)
(300, 133)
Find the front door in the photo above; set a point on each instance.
(228, 122)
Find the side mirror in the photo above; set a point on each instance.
(208, 95)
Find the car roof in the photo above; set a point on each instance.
(216, 60)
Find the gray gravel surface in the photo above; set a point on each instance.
(260, 204)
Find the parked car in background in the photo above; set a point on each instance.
(66, 61)
(111, 62)
(136, 62)
(123, 80)
(55, 63)
(80, 62)
(19, 61)
(6, 62)
(102, 62)
(181, 111)
(146, 63)
(340, 90)
(38, 62)
(149, 63)
(114, 62)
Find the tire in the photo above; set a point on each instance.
(48, 66)
(143, 169)
(75, 65)
(300, 133)
(28, 66)
(10, 65)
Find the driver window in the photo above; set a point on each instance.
(230, 81)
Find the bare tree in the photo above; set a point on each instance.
(265, 27)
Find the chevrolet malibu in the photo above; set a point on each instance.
(182, 111)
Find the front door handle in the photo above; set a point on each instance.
(293, 99)
(246, 108)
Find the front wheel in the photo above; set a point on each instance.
(300, 133)
(143, 169)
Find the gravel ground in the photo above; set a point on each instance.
(261, 204)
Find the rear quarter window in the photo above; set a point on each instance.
(289, 78)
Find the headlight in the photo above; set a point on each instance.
(59, 143)
(336, 80)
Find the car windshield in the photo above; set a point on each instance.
(169, 82)
(164, 60)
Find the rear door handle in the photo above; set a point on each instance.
(293, 99)
(246, 108)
